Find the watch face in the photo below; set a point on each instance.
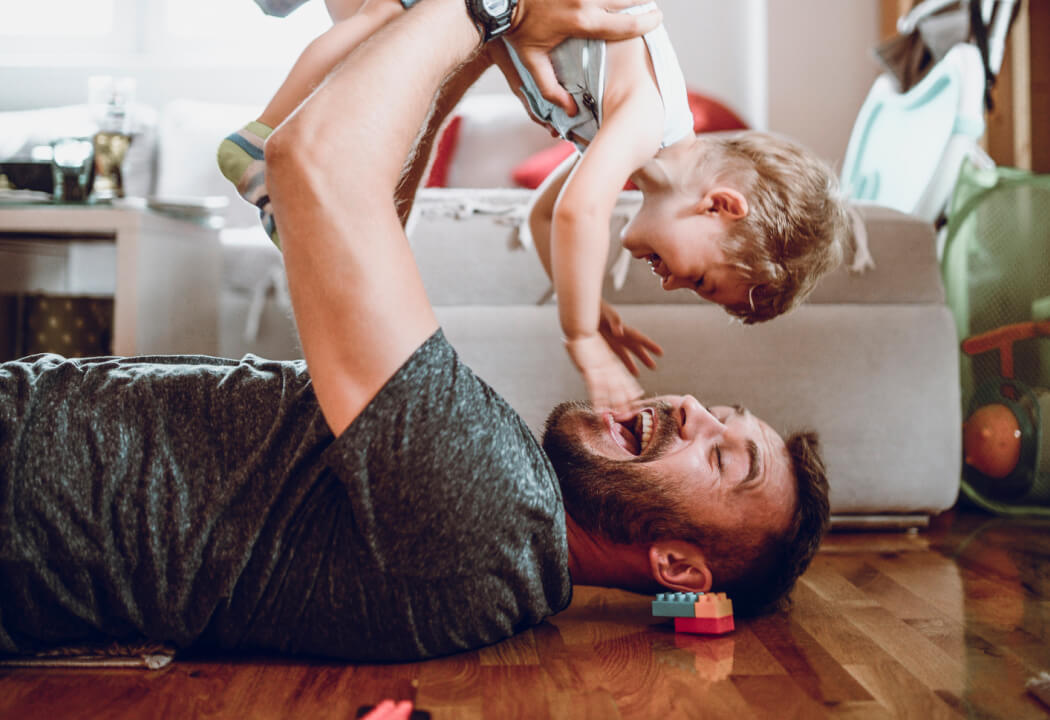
(496, 8)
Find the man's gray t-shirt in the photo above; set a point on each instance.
(204, 502)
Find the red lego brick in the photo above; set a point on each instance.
(705, 626)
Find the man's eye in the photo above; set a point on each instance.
(718, 457)
(699, 284)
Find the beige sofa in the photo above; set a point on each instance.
(870, 361)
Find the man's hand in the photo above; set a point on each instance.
(609, 385)
(625, 340)
(539, 25)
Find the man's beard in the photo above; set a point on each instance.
(618, 500)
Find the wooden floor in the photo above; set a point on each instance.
(949, 622)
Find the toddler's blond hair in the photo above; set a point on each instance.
(797, 227)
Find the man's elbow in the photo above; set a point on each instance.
(307, 156)
(287, 158)
(298, 175)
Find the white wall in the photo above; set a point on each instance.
(801, 67)
(798, 67)
(721, 47)
(820, 68)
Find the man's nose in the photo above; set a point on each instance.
(697, 422)
(628, 237)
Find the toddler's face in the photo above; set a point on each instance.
(685, 251)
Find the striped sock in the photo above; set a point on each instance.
(240, 158)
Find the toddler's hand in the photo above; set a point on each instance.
(624, 339)
(540, 25)
(609, 385)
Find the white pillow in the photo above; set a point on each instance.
(189, 136)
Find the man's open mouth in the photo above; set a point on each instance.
(656, 265)
(636, 434)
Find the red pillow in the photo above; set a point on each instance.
(709, 115)
(533, 170)
(446, 148)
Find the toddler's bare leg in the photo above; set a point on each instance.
(325, 52)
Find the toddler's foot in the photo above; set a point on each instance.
(240, 159)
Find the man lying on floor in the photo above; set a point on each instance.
(378, 502)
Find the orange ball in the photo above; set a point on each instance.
(992, 440)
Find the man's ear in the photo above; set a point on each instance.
(725, 201)
(679, 565)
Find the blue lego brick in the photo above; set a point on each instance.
(676, 604)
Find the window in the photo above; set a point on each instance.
(155, 32)
(235, 31)
(57, 18)
(64, 28)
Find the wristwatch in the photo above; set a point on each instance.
(491, 16)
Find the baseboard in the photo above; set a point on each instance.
(879, 522)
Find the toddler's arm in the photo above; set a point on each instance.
(629, 137)
(622, 339)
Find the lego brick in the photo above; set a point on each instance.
(706, 626)
(712, 605)
(675, 604)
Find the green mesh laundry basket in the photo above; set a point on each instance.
(996, 269)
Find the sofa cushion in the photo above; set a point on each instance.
(879, 383)
(906, 265)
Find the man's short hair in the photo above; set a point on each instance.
(761, 581)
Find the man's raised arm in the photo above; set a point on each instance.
(332, 171)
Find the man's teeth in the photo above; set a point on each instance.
(657, 265)
(643, 429)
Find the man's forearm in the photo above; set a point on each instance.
(418, 163)
(332, 169)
